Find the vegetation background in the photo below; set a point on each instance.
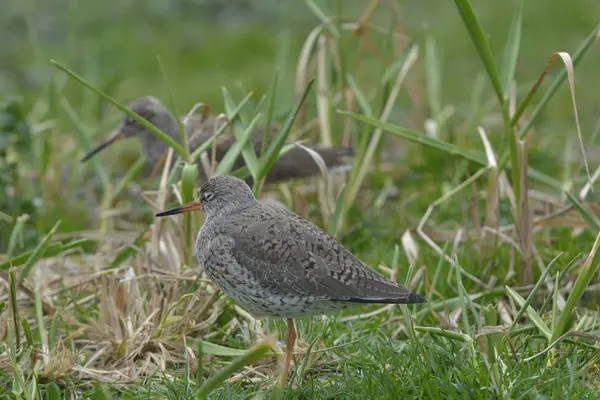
(84, 314)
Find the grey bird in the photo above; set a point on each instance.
(296, 163)
(274, 263)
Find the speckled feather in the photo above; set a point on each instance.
(275, 263)
(296, 163)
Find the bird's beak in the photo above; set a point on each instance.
(116, 135)
(191, 206)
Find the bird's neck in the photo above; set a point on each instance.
(153, 147)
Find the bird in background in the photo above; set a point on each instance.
(274, 263)
(296, 163)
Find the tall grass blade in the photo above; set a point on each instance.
(448, 148)
(511, 50)
(38, 252)
(588, 216)
(536, 288)
(325, 19)
(583, 280)
(206, 145)
(248, 152)
(433, 76)
(274, 149)
(531, 313)
(189, 178)
(254, 354)
(14, 309)
(51, 251)
(228, 160)
(16, 235)
(482, 45)
(39, 318)
(270, 111)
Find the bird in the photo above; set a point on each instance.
(296, 163)
(274, 263)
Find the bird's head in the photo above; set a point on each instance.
(222, 195)
(147, 107)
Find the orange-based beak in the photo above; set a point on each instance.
(111, 139)
(191, 206)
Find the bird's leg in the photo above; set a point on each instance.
(289, 347)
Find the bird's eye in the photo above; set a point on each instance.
(208, 196)
(129, 121)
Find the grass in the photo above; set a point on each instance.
(464, 188)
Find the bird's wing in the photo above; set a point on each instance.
(290, 255)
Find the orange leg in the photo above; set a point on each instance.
(289, 347)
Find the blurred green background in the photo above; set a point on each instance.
(206, 45)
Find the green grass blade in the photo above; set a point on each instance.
(325, 20)
(189, 179)
(588, 216)
(16, 234)
(536, 288)
(39, 318)
(270, 111)
(254, 354)
(52, 333)
(390, 74)
(433, 76)
(220, 350)
(420, 138)
(482, 45)
(27, 332)
(199, 363)
(511, 51)
(583, 280)
(52, 250)
(248, 150)
(53, 391)
(531, 313)
(448, 148)
(14, 308)
(555, 302)
(182, 132)
(452, 335)
(38, 252)
(361, 98)
(454, 302)
(274, 149)
(228, 160)
(206, 145)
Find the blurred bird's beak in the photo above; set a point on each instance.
(111, 139)
(191, 206)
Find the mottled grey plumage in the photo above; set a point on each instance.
(296, 163)
(274, 263)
